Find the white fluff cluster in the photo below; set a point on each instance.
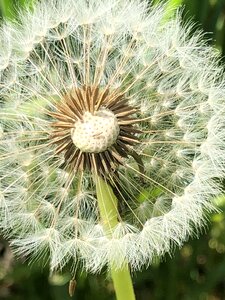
(178, 87)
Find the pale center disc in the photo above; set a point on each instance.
(96, 132)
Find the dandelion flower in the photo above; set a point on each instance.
(107, 98)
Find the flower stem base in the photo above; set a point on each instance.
(123, 284)
(107, 203)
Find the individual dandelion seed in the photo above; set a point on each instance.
(107, 98)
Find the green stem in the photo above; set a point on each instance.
(123, 284)
(107, 203)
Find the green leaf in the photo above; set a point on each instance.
(147, 194)
(174, 3)
(170, 4)
(9, 8)
(170, 7)
(6, 8)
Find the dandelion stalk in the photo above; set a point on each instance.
(123, 283)
(107, 203)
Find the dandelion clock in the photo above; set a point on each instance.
(112, 135)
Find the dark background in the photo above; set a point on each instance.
(195, 272)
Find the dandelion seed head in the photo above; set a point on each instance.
(109, 89)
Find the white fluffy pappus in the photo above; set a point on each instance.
(173, 89)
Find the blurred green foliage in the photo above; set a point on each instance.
(196, 272)
(209, 15)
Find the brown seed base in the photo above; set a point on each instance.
(72, 107)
